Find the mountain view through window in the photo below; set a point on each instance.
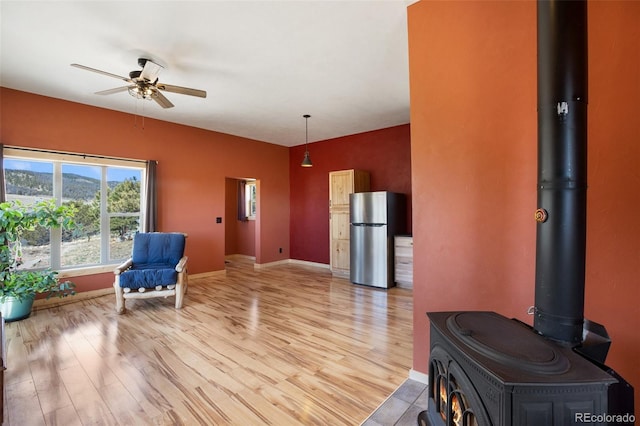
(108, 203)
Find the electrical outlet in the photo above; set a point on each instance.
(280, 249)
(218, 220)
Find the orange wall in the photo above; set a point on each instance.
(473, 153)
(193, 165)
(613, 229)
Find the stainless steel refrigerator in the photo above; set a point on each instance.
(376, 217)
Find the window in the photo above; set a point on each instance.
(108, 196)
(250, 199)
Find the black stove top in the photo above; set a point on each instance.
(512, 351)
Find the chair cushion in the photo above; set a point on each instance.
(158, 248)
(148, 276)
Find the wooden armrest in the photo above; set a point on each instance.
(126, 265)
(182, 264)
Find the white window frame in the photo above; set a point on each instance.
(250, 205)
(58, 159)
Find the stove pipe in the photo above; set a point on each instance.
(562, 170)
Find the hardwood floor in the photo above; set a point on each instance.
(282, 345)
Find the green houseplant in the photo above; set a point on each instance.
(18, 288)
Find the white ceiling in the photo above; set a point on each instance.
(263, 64)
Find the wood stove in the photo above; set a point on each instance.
(488, 370)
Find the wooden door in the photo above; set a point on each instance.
(340, 242)
(341, 185)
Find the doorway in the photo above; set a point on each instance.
(241, 210)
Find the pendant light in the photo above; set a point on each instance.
(306, 162)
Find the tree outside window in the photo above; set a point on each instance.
(105, 224)
(250, 200)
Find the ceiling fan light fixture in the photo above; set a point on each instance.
(143, 84)
(306, 161)
(141, 92)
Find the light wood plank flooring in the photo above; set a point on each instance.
(283, 345)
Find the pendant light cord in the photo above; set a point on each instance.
(306, 132)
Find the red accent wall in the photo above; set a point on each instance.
(385, 154)
(193, 165)
(474, 162)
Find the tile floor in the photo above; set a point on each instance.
(402, 406)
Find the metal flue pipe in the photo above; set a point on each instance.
(562, 170)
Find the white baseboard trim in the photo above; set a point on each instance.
(277, 262)
(240, 256)
(311, 264)
(418, 376)
(78, 297)
(269, 264)
(208, 274)
(291, 262)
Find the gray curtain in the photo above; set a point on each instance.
(151, 215)
(3, 193)
(242, 209)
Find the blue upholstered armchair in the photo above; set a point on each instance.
(157, 268)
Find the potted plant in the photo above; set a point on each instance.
(18, 287)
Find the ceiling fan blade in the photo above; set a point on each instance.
(182, 90)
(82, 67)
(150, 71)
(161, 100)
(116, 90)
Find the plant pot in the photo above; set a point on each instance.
(14, 309)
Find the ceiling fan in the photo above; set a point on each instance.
(143, 84)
